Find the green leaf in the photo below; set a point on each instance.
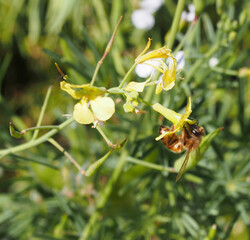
(93, 167)
(14, 133)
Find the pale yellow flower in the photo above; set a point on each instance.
(177, 119)
(168, 71)
(102, 108)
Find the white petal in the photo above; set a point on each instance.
(103, 108)
(213, 62)
(151, 5)
(184, 15)
(180, 58)
(143, 70)
(142, 19)
(191, 14)
(191, 8)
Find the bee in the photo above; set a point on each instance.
(189, 139)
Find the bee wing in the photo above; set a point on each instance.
(183, 166)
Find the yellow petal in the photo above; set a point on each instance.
(166, 133)
(82, 114)
(67, 87)
(158, 88)
(145, 49)
(80, 91)
(103, 108)
(168, 78)
(137, 86)
(167, 82)
(185, 116)
(169, 114)
(163, 52)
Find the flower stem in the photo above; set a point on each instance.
(150, 165)
(37, 141)
(61, 149)
(104, 136)
(175, 24)
(39, 128)
(107, 50)
(126, 78)
(39, 122)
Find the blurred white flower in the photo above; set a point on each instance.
(142, 19)
(180, 58)
(151, 5)
(213, 62)
(190, 15)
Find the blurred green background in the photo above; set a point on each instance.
(44, 197)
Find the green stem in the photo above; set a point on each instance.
(145, 102)
(39, 122)
(39, 128)
(107, 50)
(37, 141)
(101, 201)
(175, 24)
(95, 73)
(104, 136)
(150, 165)
(61, 149)
(126, 78)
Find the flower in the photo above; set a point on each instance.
(168, 70)
(177, 119)
(213, 61)
(190, 15)
(102, 107)
(132, 92)
(151, 6)
(167, 80)
(142, 19)
(131, 101)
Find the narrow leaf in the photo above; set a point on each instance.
(93, 167)
(14, 133)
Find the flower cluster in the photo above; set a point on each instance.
(95, 105)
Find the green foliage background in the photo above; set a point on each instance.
(42, 194)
